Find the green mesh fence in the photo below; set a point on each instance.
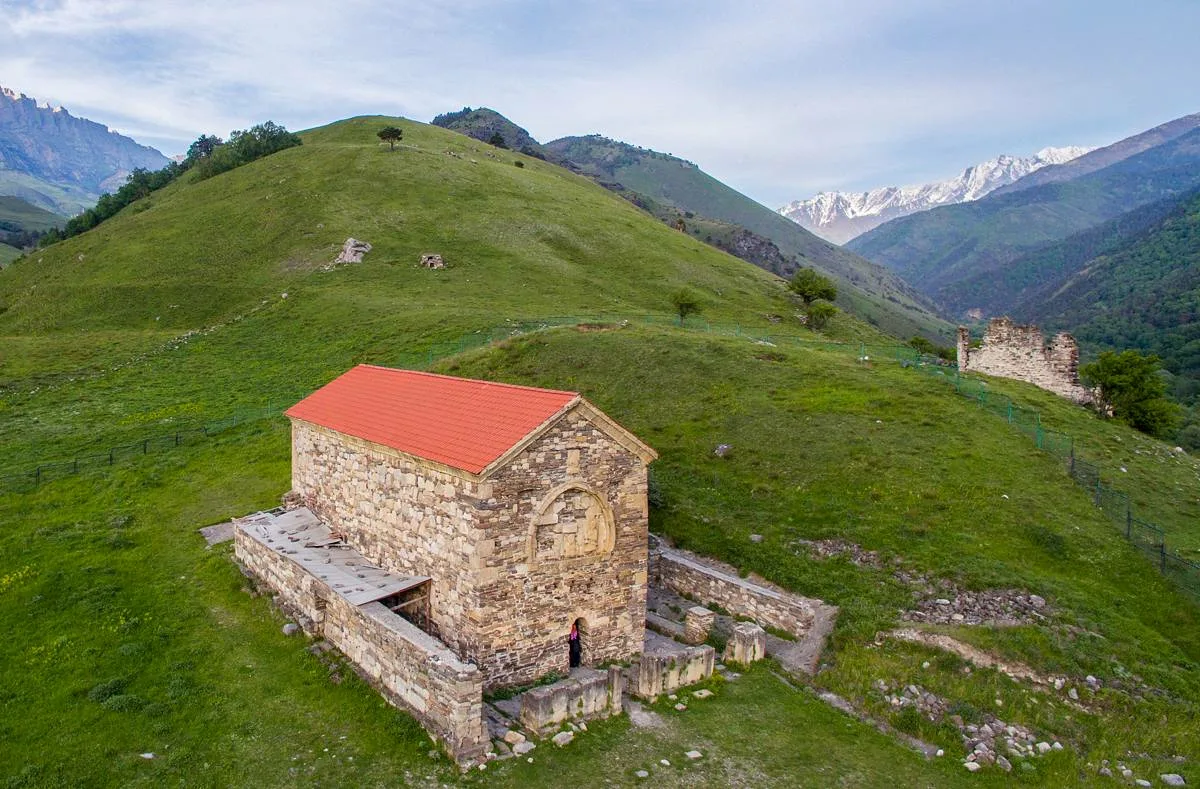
(1116, 506)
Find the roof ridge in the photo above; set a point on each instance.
(469, 380)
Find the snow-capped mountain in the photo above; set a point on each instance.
(840, 216)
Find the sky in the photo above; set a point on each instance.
(778, 98)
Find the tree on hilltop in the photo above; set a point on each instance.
(810, 286)
(391, 135)
(1130, 385)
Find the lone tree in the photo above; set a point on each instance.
(391, 135)
(685, 303)
(497, 139)
(1130, 385)
(810, 286)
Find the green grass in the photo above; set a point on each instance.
(8, 254)
(26, 216)
(127, 636)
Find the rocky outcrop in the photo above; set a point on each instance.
(56, 161)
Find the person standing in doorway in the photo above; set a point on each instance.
(576, 648)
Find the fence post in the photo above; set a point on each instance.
(1039, 435)
(1098, 487)
(75, 465)
(1072, 455)
(1162, 555)
(146, 447)
(1128, 520)
(37, 476)
(176, 439)
(1010, 412)
(110, 457)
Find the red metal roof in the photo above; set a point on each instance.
(460, 422)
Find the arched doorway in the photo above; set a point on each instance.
(575, 643)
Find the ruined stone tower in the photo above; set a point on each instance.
(1010, 350)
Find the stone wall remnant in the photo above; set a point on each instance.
(432, 260)
(585, 695)
(747, 643)
(1010, 350)
(352, 251)
(697, 624)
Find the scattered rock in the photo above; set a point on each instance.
(680, 707)
(693, 755)
(642, 774)
(1141, 782)
(703, 693)
(1004, 764)
(149, 755)
(1107, 773)
(1172, 779)
(973, 767)
(291, 629)
(352, 251)
(1043, 747)
(722, 450)
(664, 762)
(563, 738)
(522, 748)
(756, 538)
(513, 737)
(1073, 694)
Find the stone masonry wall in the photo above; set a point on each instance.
(412, 669)
(298, 590)
(556, 534)
(415, 671)
(711, 584)
(408, 516)
(528, 599)
(1013, 351)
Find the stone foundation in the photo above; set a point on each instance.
(747, 643)
(587, 694)
(665, 665)
(697, 624)
(715, 584)
(412, 669)
(1013, 351)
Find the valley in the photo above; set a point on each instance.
(141, 658)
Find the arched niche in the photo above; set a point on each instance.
(571, 521)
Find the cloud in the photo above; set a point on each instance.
(779, 98)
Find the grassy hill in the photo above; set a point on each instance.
(18, 218)
(939, 249)
(867, 290)
(130, 638)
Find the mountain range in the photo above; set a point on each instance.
(1103, 246)
(679, 193)
(841, 216)
(61, 163)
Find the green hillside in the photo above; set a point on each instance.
(937, 250)
(18, 214)
(135, 656)
(1141, 291)
(20, 222)
(867, 290)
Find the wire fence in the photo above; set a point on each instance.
(182, 435)
(1147, 537)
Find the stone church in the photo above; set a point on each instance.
(491, 517)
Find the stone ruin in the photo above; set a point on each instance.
(352, 251)
(1010, 350)
(432, 260)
